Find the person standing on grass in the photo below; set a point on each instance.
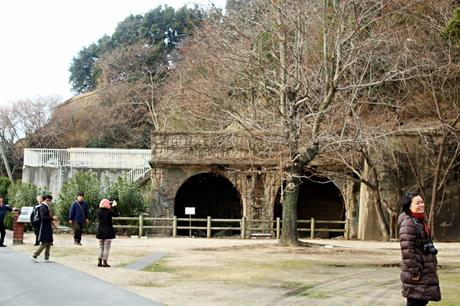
(105, 231)
(78, 217)
(4, 210)
(36, 224)
(420, 283)
(45, 234)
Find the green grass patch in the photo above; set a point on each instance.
(159, 266)
(449, 282)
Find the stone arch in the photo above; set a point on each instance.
(212, 194)
(319, 198)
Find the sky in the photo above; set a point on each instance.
(40, 38)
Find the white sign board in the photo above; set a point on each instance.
(24, 217)
(189, 210)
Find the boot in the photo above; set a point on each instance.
(105, 264)
(99, 262)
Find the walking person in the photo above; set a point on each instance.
(78, 217)
(34, 220)
(105, 232)
(420, 283)
(45, 234)
(4, 210)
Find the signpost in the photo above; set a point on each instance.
(190, 211)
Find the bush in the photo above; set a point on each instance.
(86, 182)
(128, 196)
(4, 184)
(452, 31)
(22, 194)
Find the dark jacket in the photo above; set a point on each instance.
(105, 227)
(416, 263)
(79, 212)
(4, 211)
(46, 230)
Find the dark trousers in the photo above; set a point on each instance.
(415, 302)
(36, 231)
(77, 231)
(2, 232)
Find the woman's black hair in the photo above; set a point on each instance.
(406, 200)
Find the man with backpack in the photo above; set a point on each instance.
(4, 209)
(35, 219)
(45, 234)
(78, 217)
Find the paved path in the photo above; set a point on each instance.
(146, 261)
(24, 282)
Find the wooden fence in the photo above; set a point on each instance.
(246, 227)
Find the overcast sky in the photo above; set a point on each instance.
(39, 38)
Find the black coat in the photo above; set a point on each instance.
(105, 227)
(416, 263)
(46, 230)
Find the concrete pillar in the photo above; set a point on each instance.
(367, 224)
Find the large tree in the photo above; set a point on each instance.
(291, 70)
(161, 29)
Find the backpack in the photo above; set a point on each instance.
(35, 216)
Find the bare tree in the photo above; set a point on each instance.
(288, 69)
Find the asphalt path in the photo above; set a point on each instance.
(24, 282)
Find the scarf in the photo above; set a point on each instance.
(420, 217)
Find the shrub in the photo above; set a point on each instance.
(452, 30)
(22, 194)
(4, 184)
(128, 196)
(86, 182)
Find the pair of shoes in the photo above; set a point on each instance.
(35, 259)
(2, 246)
(99, 262)
(47, 260)
(105, 264)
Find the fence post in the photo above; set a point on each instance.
(141, 225)
(278, 227)
(312, 228)
(347, 233)
(208, 228)
(243, 228)
(174, 226)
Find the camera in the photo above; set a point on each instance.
(428, 248)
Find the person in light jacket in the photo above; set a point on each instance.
(105, 232)
(420, 283)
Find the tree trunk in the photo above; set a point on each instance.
(5, 161)
(289, 235)
(434, 194)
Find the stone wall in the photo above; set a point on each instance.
(53, 178)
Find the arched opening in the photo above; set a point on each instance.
(212, 195)
(319, 198)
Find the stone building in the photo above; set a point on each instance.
(219, 175)
(231, 175)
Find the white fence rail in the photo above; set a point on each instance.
(88, 158)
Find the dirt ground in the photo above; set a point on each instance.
(256, 272)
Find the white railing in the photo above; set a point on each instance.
(45, 157)
(87, 158)
(135, 174)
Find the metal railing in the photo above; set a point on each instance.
(87, 158)
(246, 227)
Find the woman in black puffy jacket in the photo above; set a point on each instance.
(105, 232)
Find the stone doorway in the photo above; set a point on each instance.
(212, 195)
(319, 198)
